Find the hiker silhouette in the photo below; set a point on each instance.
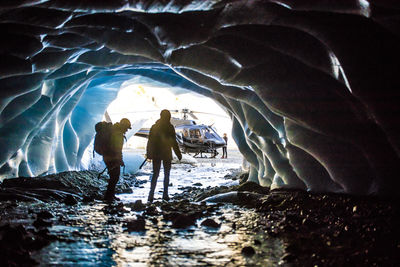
(161, 139)
(112, 154)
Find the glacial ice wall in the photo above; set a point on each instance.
(311, 86)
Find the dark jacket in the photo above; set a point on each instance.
(226, 140)
(116, 144)
(161, 139)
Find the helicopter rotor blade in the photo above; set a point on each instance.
(107, 117)
(192, 115)
(208, 113)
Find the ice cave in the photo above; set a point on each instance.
(311, 87)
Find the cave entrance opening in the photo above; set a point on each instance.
(141, 104)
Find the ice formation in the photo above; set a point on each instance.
(312, 87)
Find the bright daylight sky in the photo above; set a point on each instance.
(133, 99)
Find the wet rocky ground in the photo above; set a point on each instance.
(61, 220)
(94, 233)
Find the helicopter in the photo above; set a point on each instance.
(192, 138)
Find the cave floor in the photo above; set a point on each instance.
(103, 234)
(97, 235)
(290, 228)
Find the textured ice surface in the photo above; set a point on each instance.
(311, 87)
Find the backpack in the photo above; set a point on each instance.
(103, 137)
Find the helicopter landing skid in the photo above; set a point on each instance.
(213, 154)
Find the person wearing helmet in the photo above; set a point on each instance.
(161, 139)
(113, 157)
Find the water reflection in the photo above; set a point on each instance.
(95, 234)
(197, 246)
(91, 237)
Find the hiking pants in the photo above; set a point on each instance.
(156, 172)
(113, 168)
(224, 152)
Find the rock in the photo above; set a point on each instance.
(243, 177)
(79, 183)
(41, 223)
(198, 184)
(118, 209)
(44, 214)
(151, 211)
(127, 190)
(183, 221)
(136, 225)
(87, 199)
(12, 234)
(138, 206)
(40, 241)
(248, 251)
(288, 257)
(70, 200)
(253, 187)
(230, 197)
(273, 200)
(257, 242)
(210, 223)
(15, 246)
(170, 215)
(154, 220)
(310, 223)
(235, 197)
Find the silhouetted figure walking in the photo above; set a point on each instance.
(111, 142)
(161, 139)
(224, 150)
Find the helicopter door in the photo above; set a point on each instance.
(207, 134)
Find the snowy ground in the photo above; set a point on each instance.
(199, 172)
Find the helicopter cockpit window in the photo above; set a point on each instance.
(207, 134)
(195, 133)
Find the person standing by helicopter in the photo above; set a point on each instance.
(224, 150)
(161, 139)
